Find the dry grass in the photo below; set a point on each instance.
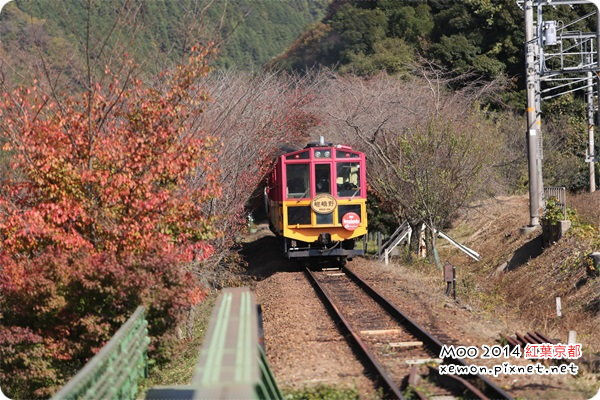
(587, 206)
(183, 353)
(527, 292)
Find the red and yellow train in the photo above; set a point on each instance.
(316, 201)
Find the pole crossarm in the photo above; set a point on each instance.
(537, 3)
(560, 59)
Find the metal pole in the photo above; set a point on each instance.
(532, 128)
(590, 115)
(540, 141)
(591, 145)
(538, 106)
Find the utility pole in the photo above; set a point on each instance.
(591, 145)
(590, 114)
(533, 123)
(537, 51)
(540, 137)
(560, 59)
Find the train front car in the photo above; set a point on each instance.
(316, 201)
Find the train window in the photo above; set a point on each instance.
(323, 178)
(324, 219)
(298, 156)
(297, 181)
(298, 215)
(345, 154)
(348, 179)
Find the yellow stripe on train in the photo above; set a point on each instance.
(309, 232)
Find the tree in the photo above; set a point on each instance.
(359, 29)
(429, 150)
(99, 216)
(392, 55)
(252, 117)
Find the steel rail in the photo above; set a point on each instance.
(361, 346)
(491, 389)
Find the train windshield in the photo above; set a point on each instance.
(323, 178)
(298, 185)
(348, 179)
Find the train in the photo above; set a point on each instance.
(315, 199)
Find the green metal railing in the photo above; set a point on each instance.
(232, 364)
(114, 373)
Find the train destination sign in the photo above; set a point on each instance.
(323, 204)
(350, 221)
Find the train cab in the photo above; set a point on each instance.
(316, 201)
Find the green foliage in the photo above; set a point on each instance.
(408, 22)
(379, 219)
(392, 55)
(564, 143)
(359, 29)
(478, 36)
(160, 34)
(321, 392)
(456, 52)
(266, 31)
(553, 213)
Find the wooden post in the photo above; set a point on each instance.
(454, 282)
(379, 243)
(558, 307)
(572, 337)
(422, 245)
(385, 253)
(450, 279)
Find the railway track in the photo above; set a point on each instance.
(395, 348)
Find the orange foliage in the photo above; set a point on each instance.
(98, 216)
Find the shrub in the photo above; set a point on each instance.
(553, 212)
(98, 217)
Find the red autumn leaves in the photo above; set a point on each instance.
(98, 215)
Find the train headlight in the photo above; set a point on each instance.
(317, 154)
(327, 154)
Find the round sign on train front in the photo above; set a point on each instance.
(350, 221)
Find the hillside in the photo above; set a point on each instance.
(156, 32)
(365, 37)
(479, 37)
(516, 276)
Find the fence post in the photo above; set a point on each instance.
(378, 243)
(450, 279)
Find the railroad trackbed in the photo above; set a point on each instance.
(401, 356)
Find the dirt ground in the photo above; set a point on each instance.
(303, 346)
(423, 299)
(305, 349)
(518, 280)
